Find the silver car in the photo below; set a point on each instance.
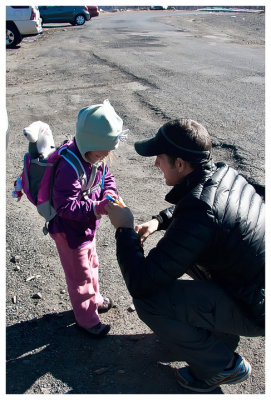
(21, 21)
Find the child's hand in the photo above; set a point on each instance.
(99, 207)
(111, 194)
(114, 198)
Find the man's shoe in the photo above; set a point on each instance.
(106, 306)
(97, 331)
(239, 373)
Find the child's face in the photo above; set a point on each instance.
(94, 156)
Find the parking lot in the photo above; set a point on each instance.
(152, 66)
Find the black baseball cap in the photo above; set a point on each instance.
(170, 142)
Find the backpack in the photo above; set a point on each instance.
(37, 179)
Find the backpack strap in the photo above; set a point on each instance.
(74, 161)
(42, 163)
(26, 168)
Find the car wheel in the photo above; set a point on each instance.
(13, 36)
(80, 19)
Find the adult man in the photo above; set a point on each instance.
(214, 233)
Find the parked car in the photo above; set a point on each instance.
(21, 21)
(93, 11)
(158, 8)
(75, 15)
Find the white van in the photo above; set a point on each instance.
(21, 21)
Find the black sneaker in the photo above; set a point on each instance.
(100, 330)
(239, 373)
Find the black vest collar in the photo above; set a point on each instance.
(199, 175)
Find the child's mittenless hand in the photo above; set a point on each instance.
(111, 193)
(112, 196)
(99, 207)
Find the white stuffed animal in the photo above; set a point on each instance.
(41, 141)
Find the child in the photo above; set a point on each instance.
(98, 130)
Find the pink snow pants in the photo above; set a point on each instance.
(81, 272)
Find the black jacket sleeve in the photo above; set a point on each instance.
(164, 218)
(182, 245)
(135, 268)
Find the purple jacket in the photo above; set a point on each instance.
(75, 216)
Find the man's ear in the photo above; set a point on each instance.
(179, 164)
(183, 167)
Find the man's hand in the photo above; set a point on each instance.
(120, 217)
(146, 229)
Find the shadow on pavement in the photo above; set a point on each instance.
(53, 350)
(18, 46)
(59, 25)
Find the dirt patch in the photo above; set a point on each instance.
(242, 28)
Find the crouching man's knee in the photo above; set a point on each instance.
(142, 307)
(149, 310)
